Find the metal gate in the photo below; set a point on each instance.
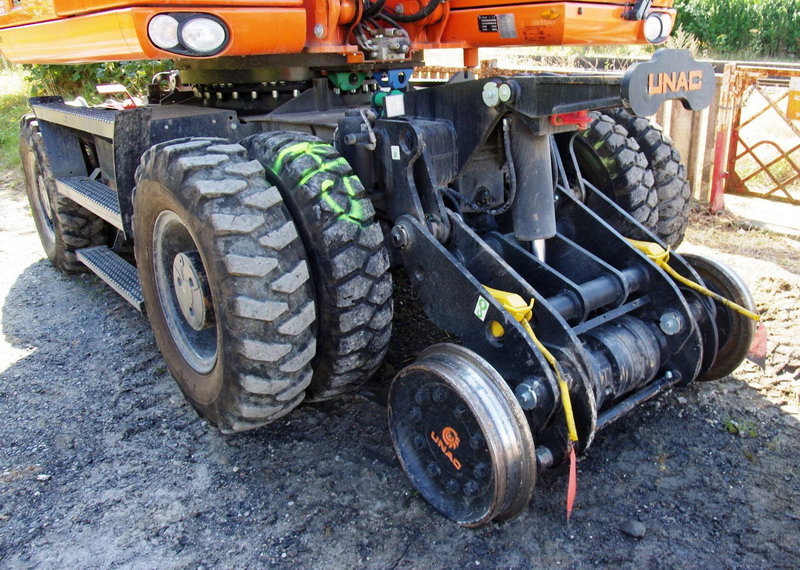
(762, 157)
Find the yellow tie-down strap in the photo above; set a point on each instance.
(522, 312)
(660, 257)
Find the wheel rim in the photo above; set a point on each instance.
(593, 169)
(461, 437)
(735, 331)
(183, 292)
(42, 197)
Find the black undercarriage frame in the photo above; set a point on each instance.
(477, 187)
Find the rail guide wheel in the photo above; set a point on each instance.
(462, 437)
(736, 331)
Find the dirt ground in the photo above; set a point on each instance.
(103, 464)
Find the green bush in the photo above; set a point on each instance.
(74, 80)
(743, 28)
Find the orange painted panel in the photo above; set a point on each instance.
(554, 23)
(72, 7)
(122, 34)
(458, 4)
(28, 11)
(793, 106)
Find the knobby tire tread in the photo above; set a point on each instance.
(626, 166)
(264, 300)
(348, 258)
(670, 176)
(74, 226)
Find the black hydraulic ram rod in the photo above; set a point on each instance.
(598, 293)
(627, 405)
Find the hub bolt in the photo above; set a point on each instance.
(526, 396)
(671, 323)
(400, 237)
(481, 470)
(476, 442)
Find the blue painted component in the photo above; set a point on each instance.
(394, 78)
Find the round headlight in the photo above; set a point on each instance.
(203, 35)
(653, 28)
(666, 22)
(163, 31)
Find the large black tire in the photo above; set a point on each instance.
(670, 176)
(348, 259)
(248, 361)
(612, 162)
(63, 225)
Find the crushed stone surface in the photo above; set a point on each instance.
(104, 464)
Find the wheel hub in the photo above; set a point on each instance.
(461, 437)
(191, 289)
(184, 295)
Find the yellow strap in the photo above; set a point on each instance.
(660, 257)
(522, 312)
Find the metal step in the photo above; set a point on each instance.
(88, 119)
(111, 268)
(94, 196)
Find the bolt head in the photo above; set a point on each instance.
(400, 237)
(504, 92)
(526, 396)
(319, 31)
(671, 323)
(490, 94)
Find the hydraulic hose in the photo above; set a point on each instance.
(421, 14)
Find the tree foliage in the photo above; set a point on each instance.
(74, 80)
(743, 28)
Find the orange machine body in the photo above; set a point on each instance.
(73, 31)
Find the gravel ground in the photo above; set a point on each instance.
(103, 464)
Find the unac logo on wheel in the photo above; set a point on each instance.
(448, 442)
(450, 437)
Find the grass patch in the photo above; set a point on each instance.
(13, 104)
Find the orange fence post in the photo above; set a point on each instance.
(722, 141)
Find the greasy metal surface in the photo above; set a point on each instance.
(118, 273)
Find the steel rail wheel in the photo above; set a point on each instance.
(462, 437)
(735, 331)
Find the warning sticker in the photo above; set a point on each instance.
(481, 308)
(487, 23)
